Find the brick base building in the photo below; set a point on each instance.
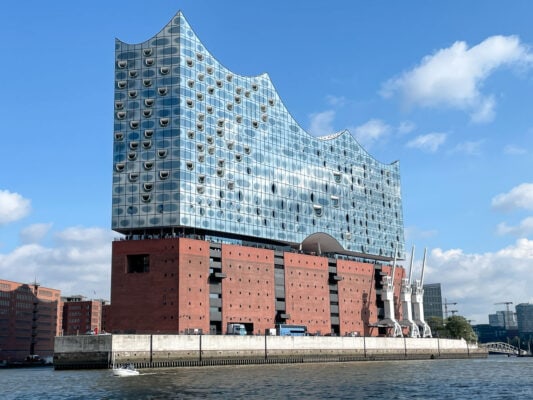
(181, 285)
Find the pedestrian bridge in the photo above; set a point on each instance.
(502, 348)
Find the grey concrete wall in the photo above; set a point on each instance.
(176, 350)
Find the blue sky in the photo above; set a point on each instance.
(444, 87)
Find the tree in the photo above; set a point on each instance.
(459, 328)
(438, 329)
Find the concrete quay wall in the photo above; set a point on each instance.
(153, 351)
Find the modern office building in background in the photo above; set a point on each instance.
(432, 301)
(231, 211)
(524, 316)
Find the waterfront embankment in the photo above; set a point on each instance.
(158, 351)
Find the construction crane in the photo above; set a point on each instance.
(506, 316)
(446, 304)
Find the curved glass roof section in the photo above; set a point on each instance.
(198, 146)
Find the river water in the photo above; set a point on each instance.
(497, 377)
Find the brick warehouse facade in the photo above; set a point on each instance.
(183, 285)
(231, 212)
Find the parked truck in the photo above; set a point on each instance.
(236, 329)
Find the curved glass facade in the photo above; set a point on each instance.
(198, 146)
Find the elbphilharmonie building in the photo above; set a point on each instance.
(205, 154)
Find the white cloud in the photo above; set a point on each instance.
(406, 127)
(78, 263)
(322, 123)
(477, 281)
(520, 197)
(471, 148)
(514, 150)
(13, 207)
(337, 101)
(453, 76)
(34, 233)
(428, 143)
(525, 228)
(371, 131)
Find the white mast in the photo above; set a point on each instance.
(405, 297)
(418, 302)
(387, 296)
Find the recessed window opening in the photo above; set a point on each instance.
(189, 165)
(164, 70)
(119, 105)
(134, 124)
(121, 114)
(138, 263)
(122, 64)
(132, 94)
(162, 153)
(132, 156)
(162, 91)
(190, 103)
(148, 186)
(201, 77)
(122, 84)
(149, 62)
(145, 197)
(163, 121)
(148, 165)
(147, 144)
(119, 167)
(190, 134)
(189, 62)
(164, 174)
(229, 77)
(255, 87)
(209, 70)
(149, 102)
(119, 136)
(147, 82)
(133, 176)
(147, 113)
(134, 145)
(148, 133)
(147, 52)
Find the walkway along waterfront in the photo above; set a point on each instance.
(158, 351)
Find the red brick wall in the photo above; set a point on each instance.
(171, 297)
(193, 303)
(307, 292)
(248, 289)
(357, 297)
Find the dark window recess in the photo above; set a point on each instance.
(138, 263)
